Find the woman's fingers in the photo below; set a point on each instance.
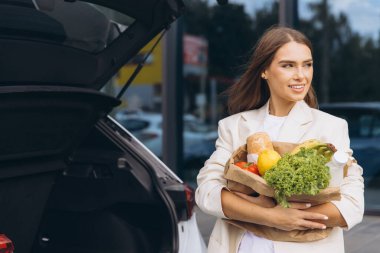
(308, 224)
(294, 219)
(314, 216)
(306, 220)
(299, 205)
(312, 225)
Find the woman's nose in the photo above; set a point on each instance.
(299, 73)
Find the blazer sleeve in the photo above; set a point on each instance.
(351, 205)
(210, 178)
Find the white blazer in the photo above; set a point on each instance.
(302, 123)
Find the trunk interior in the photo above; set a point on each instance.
(67, 185)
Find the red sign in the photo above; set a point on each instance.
(195, 50)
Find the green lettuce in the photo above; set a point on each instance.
(302, 173)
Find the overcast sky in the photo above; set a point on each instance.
(364, 15)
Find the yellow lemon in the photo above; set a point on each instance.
(266, 160)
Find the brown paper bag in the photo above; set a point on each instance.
(275, 234)
(246, 182)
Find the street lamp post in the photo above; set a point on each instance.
(288, 13)
(172, 98)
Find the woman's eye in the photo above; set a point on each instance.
(287, 66)
(309, 65)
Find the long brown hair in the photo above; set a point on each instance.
(251, 91)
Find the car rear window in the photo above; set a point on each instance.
(361, 122)
(134, 124)
(89, 27)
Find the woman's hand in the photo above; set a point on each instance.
(287, 218)
(295, 218)
(261, 200)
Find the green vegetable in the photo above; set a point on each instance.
(302, 173)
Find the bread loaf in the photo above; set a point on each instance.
(258, 142)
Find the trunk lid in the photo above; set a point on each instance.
(76, 43)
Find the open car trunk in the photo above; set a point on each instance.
(71, 179)
(105, 201)
(68, 186)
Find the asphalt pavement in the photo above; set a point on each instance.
(205, 223)
(364, 237)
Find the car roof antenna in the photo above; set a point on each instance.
(139, 66)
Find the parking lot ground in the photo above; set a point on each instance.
(205, 223)
(363, 238)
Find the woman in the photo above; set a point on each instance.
(275, 95)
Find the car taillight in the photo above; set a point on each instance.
(190, 202)
(6, 245)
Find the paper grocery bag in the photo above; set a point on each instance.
(275, 234)
(246, 182)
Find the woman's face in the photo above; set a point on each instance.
(290, 73)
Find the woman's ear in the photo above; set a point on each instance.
(263, 76)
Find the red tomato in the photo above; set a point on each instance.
(251, 167)
(241, 164)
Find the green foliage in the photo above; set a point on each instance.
(302, 173)
(230, 39)
(196, 18)
(353, 60)
(229, 31)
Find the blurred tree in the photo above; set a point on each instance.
(197, 17)
(230, 34)
(351, 72)
(265, 18)
(352, 60)
(354, 70)
(230, 39)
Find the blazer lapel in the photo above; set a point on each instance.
(252, 122)
(296, 124)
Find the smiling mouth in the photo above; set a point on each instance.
(296, 86)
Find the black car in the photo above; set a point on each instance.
(71, 178)
(363, 120)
